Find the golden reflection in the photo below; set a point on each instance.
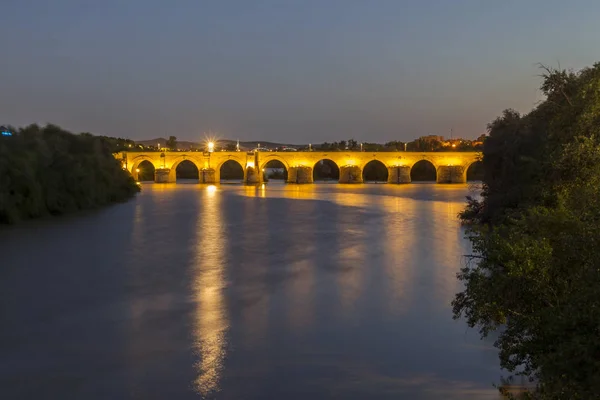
(401, 240)
(211, 189)
(449, 248)
(207, 286)
(299, 192)
(347, 199)
(250, 190)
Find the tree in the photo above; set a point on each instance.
(352, 144)
(171, 143)
(536, 239)
(51, 171)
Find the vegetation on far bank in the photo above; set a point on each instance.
(49, 171)
(535, 270)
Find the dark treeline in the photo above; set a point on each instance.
(425, 143)
(49, 171)
(535, 271)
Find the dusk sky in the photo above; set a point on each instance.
(288, 71)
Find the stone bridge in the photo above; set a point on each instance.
(451, 167)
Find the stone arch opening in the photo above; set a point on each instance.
(231, 171)
(423, 171)
(274, 170)
(145, 171)
(187, 170)
(375, 171)
(475, 171)
(326, 170)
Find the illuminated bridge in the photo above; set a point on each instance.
(450, 167)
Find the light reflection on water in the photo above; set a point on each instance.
(231, 291)
(208, 286)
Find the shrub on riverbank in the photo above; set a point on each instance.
(47, 170)
(536, 238)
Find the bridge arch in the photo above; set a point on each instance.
(176, 162)
(186, 169)
(267, 159)
(474, 171)
(135, 165)
(326, 169)
(423, 171)
(275, 162)
(375, 171)
(145, 171)
(231, 170)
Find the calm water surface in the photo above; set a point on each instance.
(234, 292)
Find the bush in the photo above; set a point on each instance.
(49, 171)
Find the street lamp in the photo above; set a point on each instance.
(211, 146)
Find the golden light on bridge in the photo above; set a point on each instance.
(250, 164)
(211, 146)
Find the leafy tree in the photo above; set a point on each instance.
(536, 239)
(171, 143)
(352, 144)
(51, 171)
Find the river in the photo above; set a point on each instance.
(243, 292)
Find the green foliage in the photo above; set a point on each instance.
(171, 143)
(535, 271)
(50, 171)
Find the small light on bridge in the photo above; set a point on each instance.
(211, 146)
(137, 170)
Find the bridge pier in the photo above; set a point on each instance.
(300, 175)
(253, 176)
(399, 174)
(208, 175)
(163, 175)
(351, 174)
(451, 174)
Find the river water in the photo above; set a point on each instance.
(243, 292)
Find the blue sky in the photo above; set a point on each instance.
(293, 71)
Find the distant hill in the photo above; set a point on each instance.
(184, 145)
